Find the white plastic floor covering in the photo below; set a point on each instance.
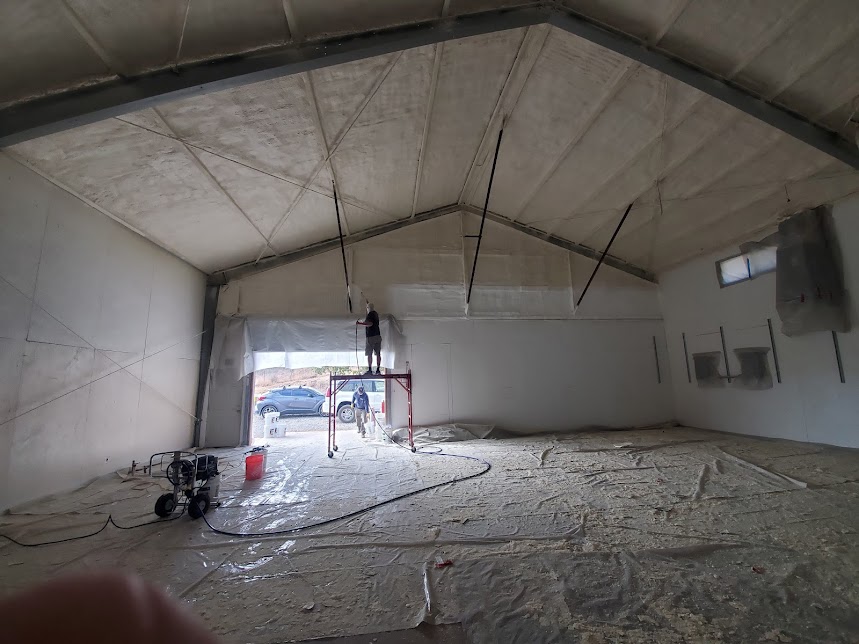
(665, 535)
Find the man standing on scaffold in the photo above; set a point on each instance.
(374, 340)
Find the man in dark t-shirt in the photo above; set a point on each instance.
(374, 339)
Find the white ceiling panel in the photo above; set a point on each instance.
(42, 52)
(262, 197)
(789, 57)
(744, 139)
(471, 75)
(267, 125)
(568, 81)
(377, 161)
(214, 27)
(135, 37)
(342, 91)
(642, 19)
(625, 127)
(722, 36)
(212, 177)
(152, 183)
(312, 220)
(316, 19)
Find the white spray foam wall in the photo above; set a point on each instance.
(811, 403)
(99, 342)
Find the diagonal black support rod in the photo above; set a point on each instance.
(604, 253)
(483, 218)
(342, 247)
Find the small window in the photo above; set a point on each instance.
(746, 266)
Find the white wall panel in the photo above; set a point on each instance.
(538, 375)
(71, 272)
(174, 315)
(124, 312)
(811, 403)
(48, 449)
(101, 295)
(111, 415)
(24, 213)
(14, 312)
(11, 362)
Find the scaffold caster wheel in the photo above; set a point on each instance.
(414, 449)
(330, 454)
(335, 448)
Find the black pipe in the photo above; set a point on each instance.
(656, 355)
(604, 253)
(775, 353)
(483, 218)
(342, 247)
(838, 356)
(725, 354)
(686, 355)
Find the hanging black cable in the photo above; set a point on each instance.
(342, 247)
(483, 218)
(604, 253)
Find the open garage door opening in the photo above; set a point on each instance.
(288, 401)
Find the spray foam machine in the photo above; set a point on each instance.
(195, 480)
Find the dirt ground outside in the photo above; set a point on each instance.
(315, 377)
(294, 424)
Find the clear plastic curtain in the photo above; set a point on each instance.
(246, 344)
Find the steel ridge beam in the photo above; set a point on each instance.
(65, 110)
(560, 242)
(70, 109)
(724, 90)
(227, 275)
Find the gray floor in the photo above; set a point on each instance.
(671, 535)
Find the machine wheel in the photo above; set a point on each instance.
(199, 505)
(335, 448)
(346, 414)
(267, 410)
(330, 454)
(414, 449)
(165, 505)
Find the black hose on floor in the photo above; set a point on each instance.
(487, 466)
(108, 521)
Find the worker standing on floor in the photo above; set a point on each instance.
(374, 339)
(361, 407)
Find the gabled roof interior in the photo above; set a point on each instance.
(234, 176)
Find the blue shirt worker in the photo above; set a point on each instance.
(361, 406)
(374, 339)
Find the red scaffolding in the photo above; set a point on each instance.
(335, 384)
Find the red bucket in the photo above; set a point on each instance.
(254, 467)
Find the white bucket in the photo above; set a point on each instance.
(271, 424)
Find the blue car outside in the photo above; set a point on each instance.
(291, 400)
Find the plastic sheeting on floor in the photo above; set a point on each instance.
(667, 535)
